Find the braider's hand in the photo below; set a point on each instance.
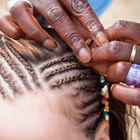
(67, 17)
(113, 59)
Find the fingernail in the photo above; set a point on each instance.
(101, 38)
(49, 44)
(139, 106)
(85, 55)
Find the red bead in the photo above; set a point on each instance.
(104, 98)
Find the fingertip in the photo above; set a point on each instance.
(117, 90)
(101, 38)
(84, 55)
(49, 43)
(128, 95)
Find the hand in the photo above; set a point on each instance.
(113, 59)
(64, 16)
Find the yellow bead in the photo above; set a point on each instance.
(106, 107)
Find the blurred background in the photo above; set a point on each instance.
(118, 10)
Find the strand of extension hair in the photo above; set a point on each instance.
(61, 60)
(26, 64)
(64, 69)
(75, 78)
(14, 67)
(7, 78)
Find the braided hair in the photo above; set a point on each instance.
(26, 66)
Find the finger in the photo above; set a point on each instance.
(23, 15)
(118, 72)
(125, 31)
(56, 16)
(80, 28)
(102, 68)
(113, 52)
(10, 28)
(126, 94)
(86, 16)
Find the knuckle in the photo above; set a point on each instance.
(114, 49)
(54, 14)
(79, 6)
(121, 25)
(93, 25)
(73, 39)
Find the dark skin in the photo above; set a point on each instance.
(111, 58)
(65, 16)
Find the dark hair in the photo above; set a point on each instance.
(26, 65)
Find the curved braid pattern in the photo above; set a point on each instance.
(58, 61)
(64, 69)
(25, 63)
(8, 79)
(83, 76)
(15, 67)
(63, 74)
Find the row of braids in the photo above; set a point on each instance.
(61, 60)
(79, 77)
(14, 66)
(25, 63)
(16, 73)
(88, 85)
(65, 72)
(8, 79)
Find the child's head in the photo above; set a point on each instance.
(48, 94)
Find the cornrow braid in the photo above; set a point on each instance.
(82, 76)
(25, 63)
(92, 113)
(8, 79)
(96, 99)
(92, 89)
(64, 69)
(61, 60)
(15, 67)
